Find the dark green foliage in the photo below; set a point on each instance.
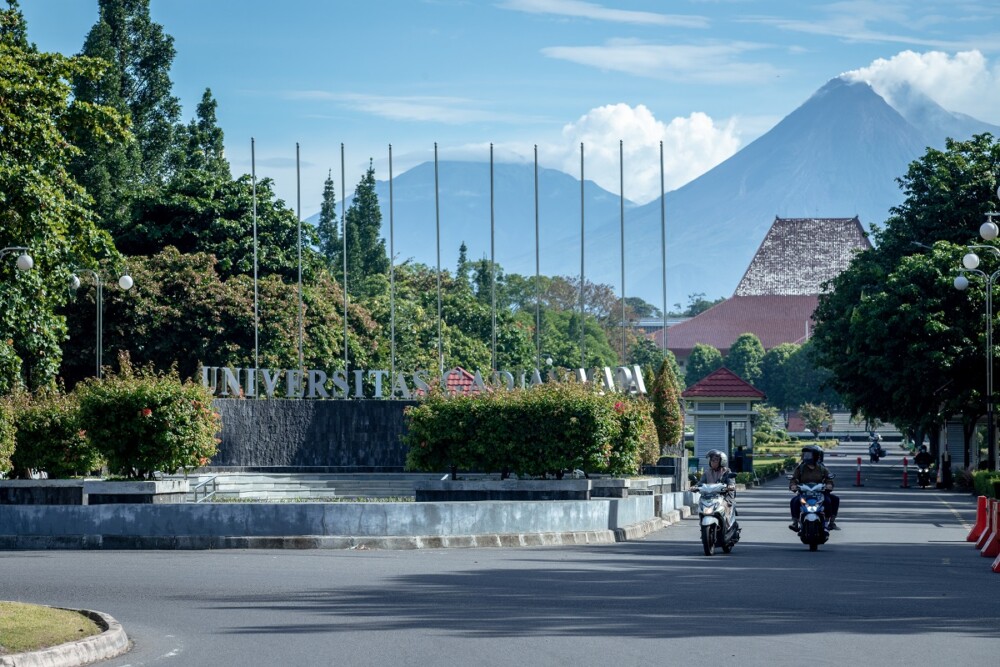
(144, 421)
(366, 255)
(7, 432)
(327, 231)
(704, 360)
(540, 431)
(745, 357)
(667, 414)
(50, 437)
(199, 145)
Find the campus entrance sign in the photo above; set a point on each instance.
(228, 382)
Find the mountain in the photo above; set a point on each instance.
(838, 155)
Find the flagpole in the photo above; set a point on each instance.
(493, 267)
(256, 308)
(392, 284)
(437, 225)
(538, 289)
(298, 205)
(343, 237)
(621, 206)
(583, 350)
(663, 249)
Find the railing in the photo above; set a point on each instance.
(201, 490)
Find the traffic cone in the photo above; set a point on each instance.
(990, 516)
(996, 565)
(991, 547)
(977, 530)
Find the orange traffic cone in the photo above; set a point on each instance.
(991, 547)
(990, 516)
(977, 530)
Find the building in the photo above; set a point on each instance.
(779, 292)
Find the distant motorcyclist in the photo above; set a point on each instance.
(923, 459)
(812, 471)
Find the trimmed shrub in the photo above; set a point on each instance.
(144, 421)
(984, 482)
(534, 432)
(49, 437)
(6, 435)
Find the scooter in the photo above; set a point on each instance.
(874, 452)
(813, 528)
(719, 527)
(923, 476)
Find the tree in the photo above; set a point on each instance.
(667, 414)
(366, 255)
(137, 84)
(816, 417)
(774, 376)
(745, 357)
(903, 345)
(200, 145)
(697, 304)
(41, 205)
(328, 231)
(704, 360)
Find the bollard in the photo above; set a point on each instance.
(858, 482)
(996, 565)
(991, 526)
(906, 482)
(991, 547)
(982, 507)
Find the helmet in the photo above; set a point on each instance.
(812, 454)
(715, 452)
(923, 448)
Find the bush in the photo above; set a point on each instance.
(984, 482)
(49, 436)
(6, 435)
(534, 432)
(144, 421)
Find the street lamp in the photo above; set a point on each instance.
(970, 263)
(24, 261)
(125, 282)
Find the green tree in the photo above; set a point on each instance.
(200, 145)
(328, 230)
(775, 380)
(41, 205)
(745, 357)
(366, 255)
(903, 345)
(704, 360)
(667, 414)
(137, 84)
(816, 417)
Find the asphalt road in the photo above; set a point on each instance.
(896, 585)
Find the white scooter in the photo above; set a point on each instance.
(719, 527)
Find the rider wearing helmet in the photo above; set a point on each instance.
(812, 471)
(718, 471)
(923, 459)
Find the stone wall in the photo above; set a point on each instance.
(326, 435)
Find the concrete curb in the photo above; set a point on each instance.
(109, 644)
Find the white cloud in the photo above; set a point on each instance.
(713, 63)
(438, 109)
(592, 10)
(964, 82)
(691, 146)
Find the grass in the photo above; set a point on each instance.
(29, 627)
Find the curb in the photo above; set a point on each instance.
(109, 644)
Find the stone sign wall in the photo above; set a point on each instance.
(338, 436)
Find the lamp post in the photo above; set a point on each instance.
(970, 263)
(125, 282)
(24, 261)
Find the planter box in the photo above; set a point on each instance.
(458, 490)
(42, 492)
(100, 492)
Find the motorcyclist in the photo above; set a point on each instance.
(812, 471)
(923, 459)
(718, 472)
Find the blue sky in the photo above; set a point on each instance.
(706, 77)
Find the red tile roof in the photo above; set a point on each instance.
(773, 319)
(723, 383)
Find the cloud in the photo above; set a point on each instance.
(964, 82)
(691, 146)
(713, 63)
(438, 109)
(594, 11)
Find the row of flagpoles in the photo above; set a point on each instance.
(437, 223)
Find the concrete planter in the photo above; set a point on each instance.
(41, 492)
(459, 490)
(156, 492)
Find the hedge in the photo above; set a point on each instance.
(533, 432)
(49, 436)
(985, 482)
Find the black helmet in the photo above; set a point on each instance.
(724, 460)
(923, 448)
(812, 454)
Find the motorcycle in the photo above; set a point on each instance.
(718, 525)
(813, 529)
(923, 476)
(874, 452)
